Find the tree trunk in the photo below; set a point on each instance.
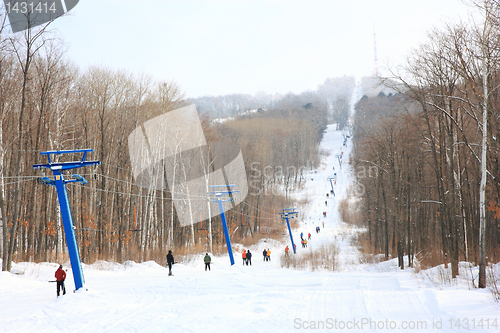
(482, 189)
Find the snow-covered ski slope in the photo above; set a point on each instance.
(260, 298)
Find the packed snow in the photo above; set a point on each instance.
(263, 297)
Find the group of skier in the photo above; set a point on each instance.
(303, 241)
(266, 254)
(247, 257)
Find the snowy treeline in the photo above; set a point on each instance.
(419, 154)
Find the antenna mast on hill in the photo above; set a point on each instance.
(375, 72)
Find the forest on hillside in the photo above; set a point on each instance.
(47, 103)
(419, 155)
(331, 91)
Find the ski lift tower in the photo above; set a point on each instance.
(60, 183)
(218, 194)
(289, 212)
(332, 180)
(339, 157)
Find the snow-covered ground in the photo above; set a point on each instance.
(260, 298)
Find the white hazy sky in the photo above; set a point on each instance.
(215, 47)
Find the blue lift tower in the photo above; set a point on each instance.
(332, 180)
(292, 213)
(218, 194)
(60, 183)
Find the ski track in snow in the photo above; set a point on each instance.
(258, 298)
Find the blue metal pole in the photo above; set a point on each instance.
(69, 230)
(331, 183)
(60, 183)
(290, 232)
(226, 232)
(331, 179)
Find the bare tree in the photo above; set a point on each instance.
(24, 49)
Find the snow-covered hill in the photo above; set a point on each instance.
(260, 298)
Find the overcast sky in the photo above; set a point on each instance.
(216, 47)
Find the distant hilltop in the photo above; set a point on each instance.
(371, 87)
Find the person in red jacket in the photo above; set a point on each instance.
(60, 277)
(244, 256)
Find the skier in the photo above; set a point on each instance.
(324, 214)
(244, 256)
(309, 236)
(249, 258)
(301, 235)
(302, 242)
(268, 254)
(60, 277)
(286, 251)
(264, 253)
(305, 242)
(207, 261)
(326, 203)
(323, 225)
(170, 262)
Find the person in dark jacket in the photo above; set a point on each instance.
(207, 261)
(60, 277)
(264, 253)
(170, 262)
(249, 258)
